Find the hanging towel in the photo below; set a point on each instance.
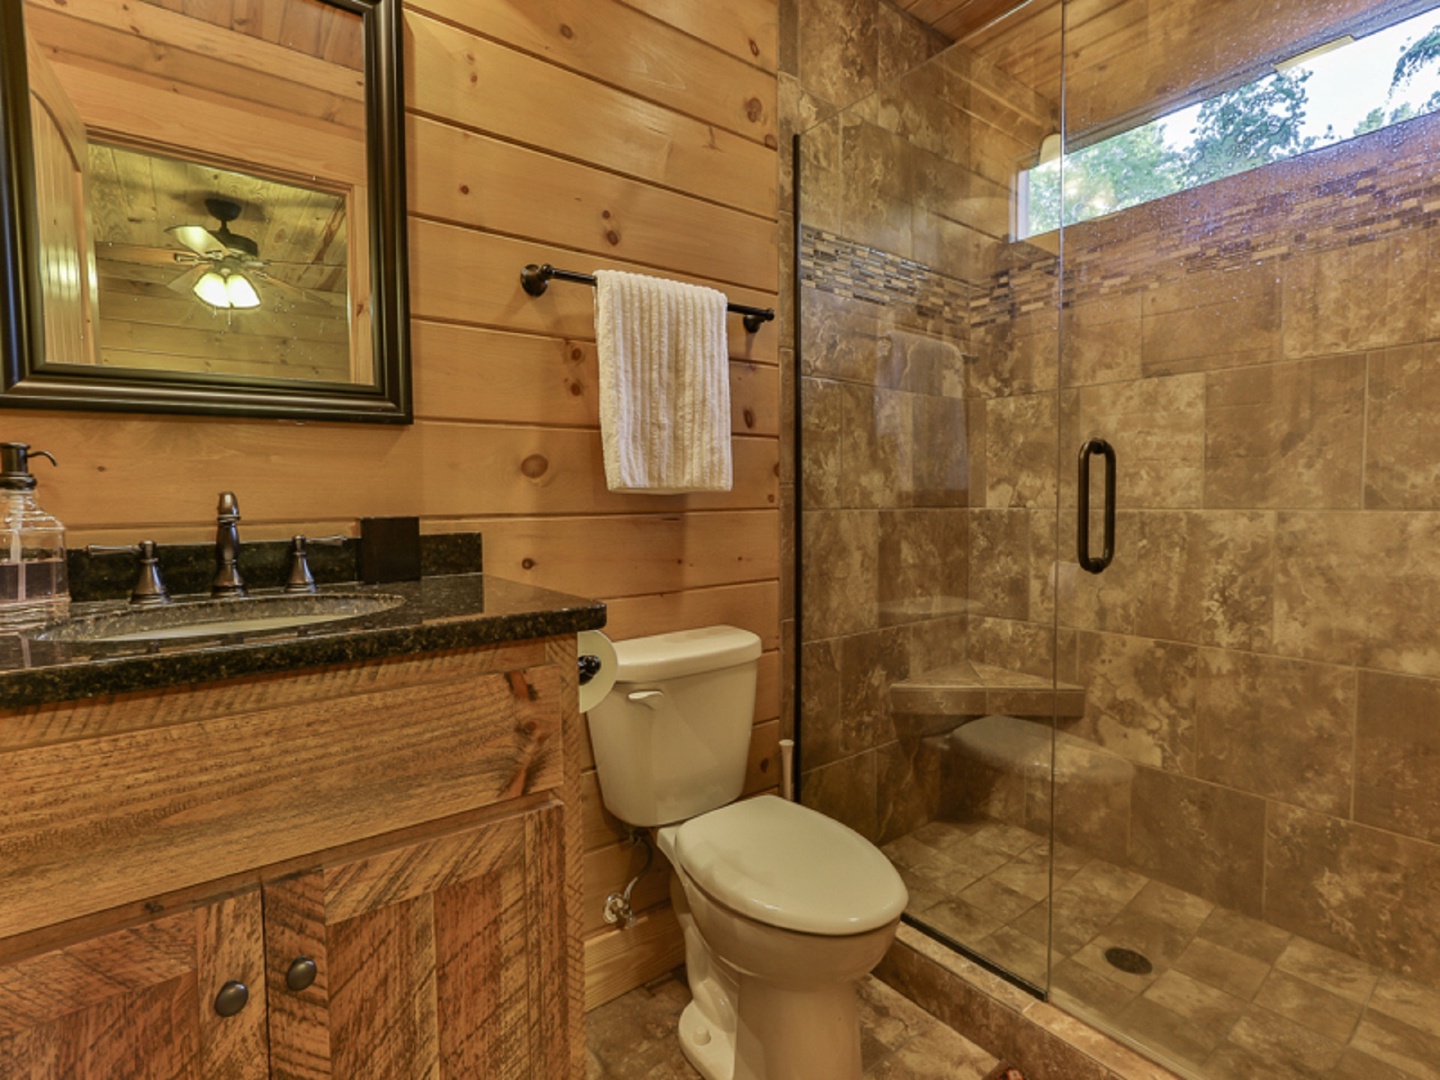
(664, 384)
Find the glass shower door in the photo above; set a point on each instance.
(928, 491)
(1250, 242)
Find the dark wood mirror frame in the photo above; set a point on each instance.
(26, 380)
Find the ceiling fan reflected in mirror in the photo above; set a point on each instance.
(224, 265)
(220, 259)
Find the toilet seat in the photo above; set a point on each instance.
(786, 866)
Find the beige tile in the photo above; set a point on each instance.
(1102, 340)
(1017, 953)
(1357, 1066)
(1332, 971)
(1396, 1043)
(1205, 839)
(841, 337)
(1355, 588)
(1156, 426)
(1074, 985)
(1279, 1040)
(822, 404)
(941, 470)
(1215, 965)
(1000, 561)
(841, 573)
(1139, 699)
(962, 921)
(1210, 1011)
(1212, 319)
(1177, 1037)
(1365, 892)
(878, 449)
(1021, 356)
(1280, 728)
(990, 896)
(1397, 755)
(1020, 452)
(1309, 1005)
(1413, 1003)
(1286, 435)
(1356, 296)
(1402, 448)
(877, 187)
(1153, 588)
(1244, 935)
(826, 738)
(845, 791)
(869, 663)
(1236, 577)
(908, 789)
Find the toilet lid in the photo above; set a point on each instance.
(786, 866)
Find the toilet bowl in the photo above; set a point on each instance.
(783, 909)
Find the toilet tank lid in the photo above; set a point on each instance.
(684, 652)
(785, 865)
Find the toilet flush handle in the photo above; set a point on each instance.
(649, 698)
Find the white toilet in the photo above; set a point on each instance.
(783, 909)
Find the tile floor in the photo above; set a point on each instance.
(1229, 997)
(633, 1037)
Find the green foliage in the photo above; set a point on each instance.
(1423, 52)
(1113, 174)
(1248, 127)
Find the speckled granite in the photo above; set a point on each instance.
(443, 612)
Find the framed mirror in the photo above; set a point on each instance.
(202, 208)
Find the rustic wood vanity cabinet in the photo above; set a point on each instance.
(383, 855)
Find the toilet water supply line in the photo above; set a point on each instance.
(617, 905)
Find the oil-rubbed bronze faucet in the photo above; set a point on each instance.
(228, 581)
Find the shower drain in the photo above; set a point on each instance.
(1128, 960)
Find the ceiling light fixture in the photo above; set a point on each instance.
(226, 289)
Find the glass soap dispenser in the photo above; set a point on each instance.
(34, 588)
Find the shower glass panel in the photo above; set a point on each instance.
(1192, 798)
(929, 388)
(1258, 336)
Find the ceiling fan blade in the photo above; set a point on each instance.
(199, 240)
(186, 281)
(329, 299)
(145, 256)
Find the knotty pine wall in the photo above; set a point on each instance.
(588, 133)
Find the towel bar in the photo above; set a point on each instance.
(536, 279)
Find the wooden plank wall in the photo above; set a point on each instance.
(587, 133)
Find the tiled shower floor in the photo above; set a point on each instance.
(1229, 997)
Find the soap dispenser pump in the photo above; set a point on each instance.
(34, 587)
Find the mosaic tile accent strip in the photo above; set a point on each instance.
(833, 264)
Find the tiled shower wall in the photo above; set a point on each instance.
(907, 202)
(1264, 352)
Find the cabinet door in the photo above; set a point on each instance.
(437, 960)
(140, 1003)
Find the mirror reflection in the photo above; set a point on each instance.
(203, 183)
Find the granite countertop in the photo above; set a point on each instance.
(440, 612)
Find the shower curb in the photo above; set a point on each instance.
(1041, 1039)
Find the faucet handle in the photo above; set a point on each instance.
(149, 587)
(299, 579)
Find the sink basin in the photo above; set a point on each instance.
(218, 618)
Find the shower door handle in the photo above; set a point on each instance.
(1082, 532)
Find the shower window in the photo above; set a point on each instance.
(1341, 90)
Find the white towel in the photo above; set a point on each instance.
(664, 384)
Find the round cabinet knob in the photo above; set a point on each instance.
(301, 974)
(232, 998)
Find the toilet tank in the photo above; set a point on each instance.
(672, 738)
